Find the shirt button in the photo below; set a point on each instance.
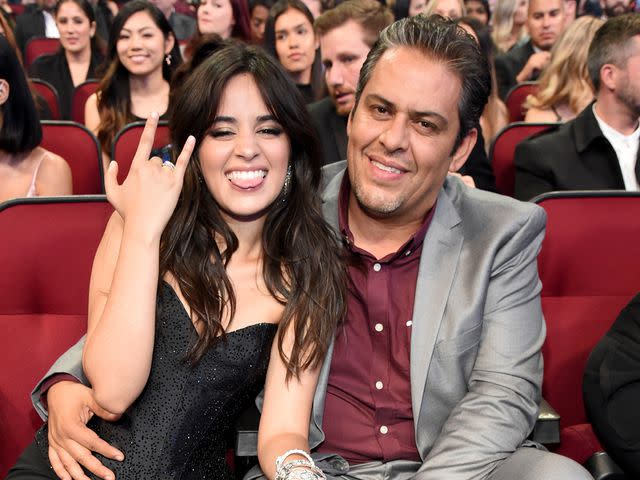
(379, 327)
(384, 430)
(377, 267)
(407, 253)
(409, 323)
(379, 385)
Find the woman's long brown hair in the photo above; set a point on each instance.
(302, 264)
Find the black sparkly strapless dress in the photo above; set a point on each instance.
(180, 425)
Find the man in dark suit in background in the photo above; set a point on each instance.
(599, 148)
(545, 21)
(347, 33)
(183, 26)
(36, 21)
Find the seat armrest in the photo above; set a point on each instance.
(547, 427)
(602, 467)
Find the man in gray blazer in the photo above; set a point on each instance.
(436, 372)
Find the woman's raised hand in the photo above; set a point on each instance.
(150, 192)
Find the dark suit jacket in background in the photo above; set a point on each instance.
(612, 389)
(332, 132)
(509, 65)
(183, 26)
(55, 70)
(29, 25)
(575, 156)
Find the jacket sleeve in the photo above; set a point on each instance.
(69, 363)
(501, 404)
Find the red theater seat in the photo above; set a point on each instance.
(80, 95)
(503, 148)
(46, 251)
(590, 269)
(516, 98)
(80, 148)
(37, 47)
(49, 94)
(126, 141)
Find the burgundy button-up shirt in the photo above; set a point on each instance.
(368, 414)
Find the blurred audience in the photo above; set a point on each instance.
(142, 55)
(545, 22)
(26, 170)
(453, 9)
(346, 34)
(289, 36)
(495, 115)
(598, 150)
(570, 12)
(565, 88)
(7, 31)
(613, 8)
(478, 9)
(225, 18)
(104, 11)
(79, 56)
(183, 26)
(36, 22)
(259, 14)
(509, 18)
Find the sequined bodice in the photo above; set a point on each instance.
(180, 425)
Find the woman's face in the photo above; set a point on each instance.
(141, 45)
(520, 15)
(295, 43)
(476, 10)
(259, 16)
(416, 7)
(448, 8)
(216, 16)
(245, 154)
(75, 27)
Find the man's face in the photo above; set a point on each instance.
(343, 52)
(545, 22)
(165, 6)
(628, 79)
(401, 136)
(613, 8)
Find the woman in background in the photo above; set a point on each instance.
(142, 55)
(289, 37)
(453, 9)
(495, 115)
(26, 170)
(565, 89)
(509, 19)
(79, 56)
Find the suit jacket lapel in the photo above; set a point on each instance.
(438, 264)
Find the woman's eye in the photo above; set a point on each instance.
(271, 131)
(220, 133)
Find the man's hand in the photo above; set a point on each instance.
(71, 406)
(535, 64)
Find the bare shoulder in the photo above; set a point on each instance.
(540, 115)
(54, 174)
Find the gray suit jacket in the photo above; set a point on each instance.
(476, 366)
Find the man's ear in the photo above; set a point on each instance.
(609, 75)
(4, 91)
(463, 151)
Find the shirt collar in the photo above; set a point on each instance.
(343, 222)
(613, 135)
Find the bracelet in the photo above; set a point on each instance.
(301, 469)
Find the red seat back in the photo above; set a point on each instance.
(126, 141)
(80, 95)
(50, 95)
(80, 148)
(46, 251)
(516, 98)
(590, 269)
(503, 148)
(39, 46)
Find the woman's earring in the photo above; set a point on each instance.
(167, 59)
(288, 178)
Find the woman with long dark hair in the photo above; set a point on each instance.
(141, 57)
(289, 37)
(213, 272)
(26, 169)
(79, 56)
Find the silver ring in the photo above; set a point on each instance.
(167, 163)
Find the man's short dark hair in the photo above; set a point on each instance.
(371, 15)
(611, 44)
(440, 39)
